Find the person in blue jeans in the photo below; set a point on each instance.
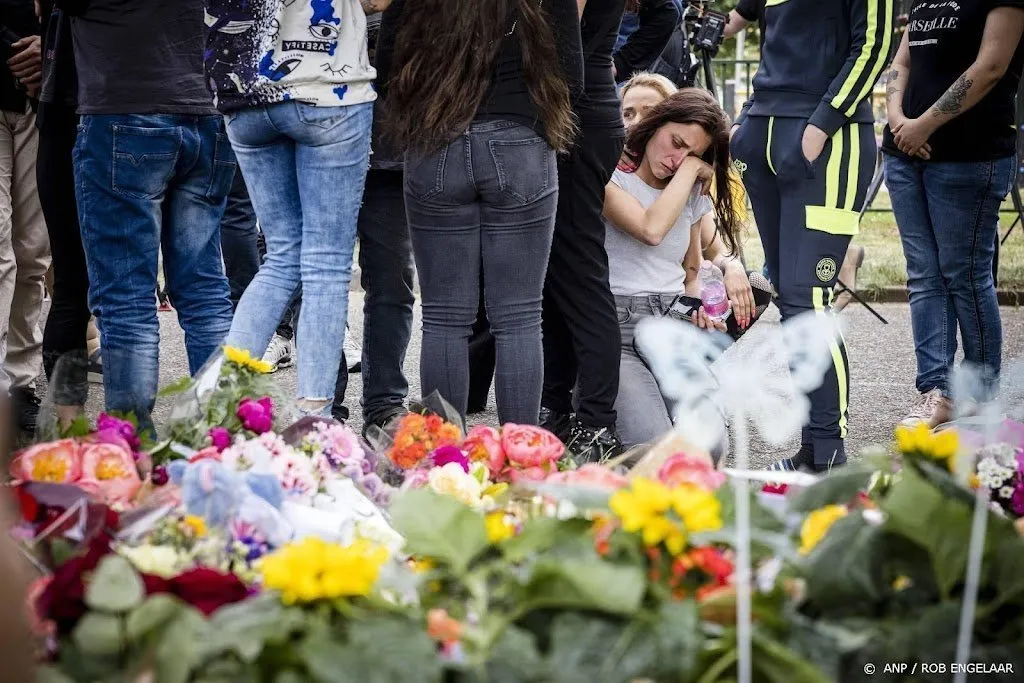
(296, 89)
(949, 164)
(152, 170)
(481, 181)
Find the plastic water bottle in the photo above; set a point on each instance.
(712, 291)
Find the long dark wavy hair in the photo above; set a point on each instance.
(693, 105)
(445, 53)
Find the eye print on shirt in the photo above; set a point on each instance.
(324, 31)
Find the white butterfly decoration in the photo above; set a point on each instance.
(703, 395)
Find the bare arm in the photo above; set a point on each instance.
(895, 80)
(582, 5)
(374, 6)
(650, 225)
(736, 24)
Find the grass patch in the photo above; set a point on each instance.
(884, 264)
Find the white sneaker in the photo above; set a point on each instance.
(280, 354)
(353, 352)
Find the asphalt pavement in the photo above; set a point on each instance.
(881, 357)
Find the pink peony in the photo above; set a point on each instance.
(528, 474)
(122, 428)
(56, 462)
(256, 416)
(590, 474)
(483, 444)
(415, 479)
(109, 471)
(220, 438)
(531, 447)
(446, 454)
(686, 469)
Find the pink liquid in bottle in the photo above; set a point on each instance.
(712, 291)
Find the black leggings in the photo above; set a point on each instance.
(67, 324)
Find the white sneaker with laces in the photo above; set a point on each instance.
(280, 354)
(931, 409)
(353, 352)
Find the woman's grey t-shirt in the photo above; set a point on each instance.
(638, 268)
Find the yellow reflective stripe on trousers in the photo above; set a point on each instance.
(773, 3)
(833, 221)
(824, 307)
(835, 164)
(768, 150)
(861, 64)
(853, 169)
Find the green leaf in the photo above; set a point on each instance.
(776, 662)
(180, 648)
(177, 387)
(679, 640)
(152, 614)
(246, 627)
(439, 527)
(1007, 563)
(587, 649)
(290, 677)
(838, 488)
(540, 534)
(585, 584)
(411, 655)
(79, 427)
(515, 659)
(98, 634)
(846, 569)
(920, 512)
(50, 674)
(115, 587)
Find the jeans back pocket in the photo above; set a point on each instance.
(224, 168)
(424, 176)
(526, 168)
(144, 160)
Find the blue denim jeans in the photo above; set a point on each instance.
(305, 167)
(948, 218)
(238, 238)
(146, 184)
(485, 204)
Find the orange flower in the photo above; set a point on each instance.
(434, 423)
(442, 627)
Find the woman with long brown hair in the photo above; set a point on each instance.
(479, 99)
(654, 209)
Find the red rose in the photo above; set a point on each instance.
(155, 584)
(208, 590)
(63, 600)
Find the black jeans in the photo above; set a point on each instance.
(238, 235)
(385, 263)
(581, 334)
(484, 206)
(66, 327)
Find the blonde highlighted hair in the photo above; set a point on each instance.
(648, 80)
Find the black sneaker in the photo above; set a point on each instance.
(803, 461)
(591, 444)
(384, 422)
(25, 409)
(96, 367)
(558, 424)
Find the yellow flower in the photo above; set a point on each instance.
(699, 509)
(817, 525)
(974, 481)
(920, 440)
(498, 528)
(420, 566)
(313, 569)
(635, 506)
(661, 529)
(902, 583)
(195, 525)
(244, 358)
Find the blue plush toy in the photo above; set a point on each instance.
(212, 491)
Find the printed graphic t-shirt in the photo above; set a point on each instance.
(945, 37)
(266, 51)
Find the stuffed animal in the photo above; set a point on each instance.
(215, 493)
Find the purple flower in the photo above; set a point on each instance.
(220, 437)
(122, 428)
(159, 476)
(446, 454)
(1017, 501)
(256, 416)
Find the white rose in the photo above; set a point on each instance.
(452, 480)
(160, 560)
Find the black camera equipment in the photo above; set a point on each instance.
(703, 33)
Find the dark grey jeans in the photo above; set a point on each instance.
(484, 205)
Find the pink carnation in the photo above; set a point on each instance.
(220, 438)
(446, 454)
(256, 416)
(122, 428)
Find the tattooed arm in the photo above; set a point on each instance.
(895, 81)
(1003, 29)
(374, 6)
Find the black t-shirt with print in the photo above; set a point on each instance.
(945, 37)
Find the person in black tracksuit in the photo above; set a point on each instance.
(805, 145)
